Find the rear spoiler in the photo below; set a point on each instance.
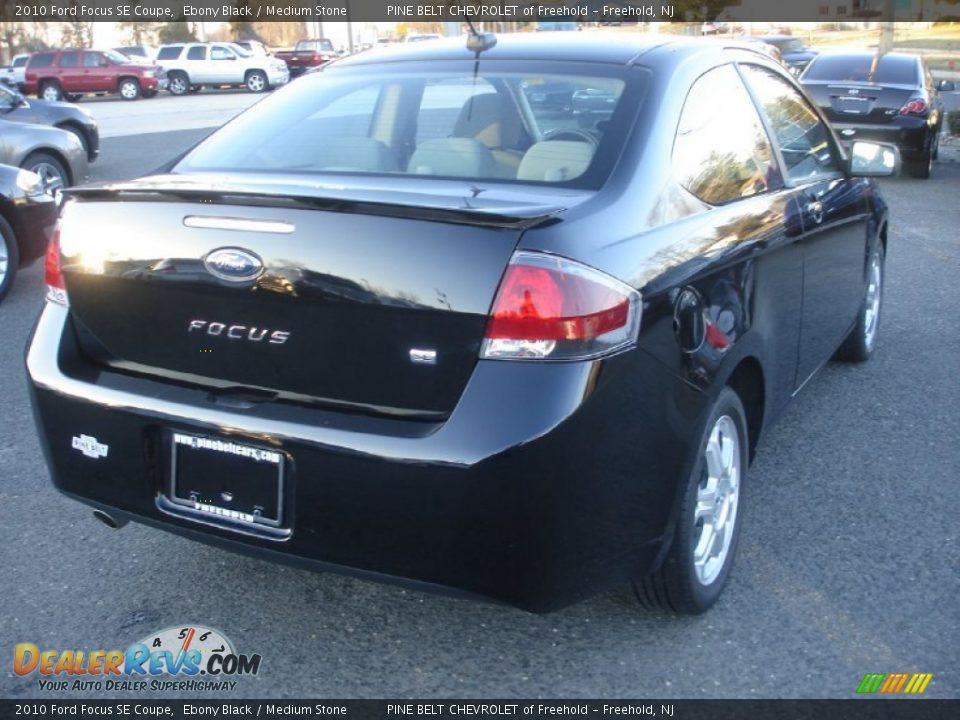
(504, 215)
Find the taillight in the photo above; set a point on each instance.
(914, 106)
(56, 290)
(551, 308)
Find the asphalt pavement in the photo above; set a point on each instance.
(848, 563)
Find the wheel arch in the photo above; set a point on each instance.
(747, 380)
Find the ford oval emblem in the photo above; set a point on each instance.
(233, 264)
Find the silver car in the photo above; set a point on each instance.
(57, 156)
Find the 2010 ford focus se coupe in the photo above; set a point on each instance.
(403, 318)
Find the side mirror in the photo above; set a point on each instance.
(871, 159)
(947, 86)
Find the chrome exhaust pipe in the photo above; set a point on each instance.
(109, 520)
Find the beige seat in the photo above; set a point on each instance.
(455, 157)
(555, 161)
(491, 119)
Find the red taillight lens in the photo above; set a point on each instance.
(56, 290)
(914, 106)
(550, 308)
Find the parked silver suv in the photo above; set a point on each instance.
(190, 66)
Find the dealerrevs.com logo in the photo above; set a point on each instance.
(186, 658)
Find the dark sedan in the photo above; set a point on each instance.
(66, 116)
(395, 320)
(892, 99)
(795, 54)
(28, 213)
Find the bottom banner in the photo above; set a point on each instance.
(391, 709)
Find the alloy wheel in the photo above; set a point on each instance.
(871, 315)
(4, 259)
(53, 181)
(256, 83)
(129, 90)
(51, 93)
(715, 515)
(178, 85)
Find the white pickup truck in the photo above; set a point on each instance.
(191, 66)
(14, 75)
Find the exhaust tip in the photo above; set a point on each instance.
(109, 520)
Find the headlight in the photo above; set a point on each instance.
(30, 183)
(149, 73)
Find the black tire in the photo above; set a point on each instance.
(935, 151)
(129, 89)
(41, 163)
(74, 97)
(11, 251)
(256, 81)
(51, 88)
(861, 342)
(675, 586)
(178, 83)
(922, 166)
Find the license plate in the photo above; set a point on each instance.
(227, 480)
(854, 106)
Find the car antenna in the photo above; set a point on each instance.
(479, 41)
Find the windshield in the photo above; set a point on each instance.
(116, 57)
(546, 126)
(314, 45)
(891, 70)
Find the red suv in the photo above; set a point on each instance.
(68, 74)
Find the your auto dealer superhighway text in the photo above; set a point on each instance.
(534, 709)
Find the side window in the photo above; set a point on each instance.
(6, 99)
(41, 60)
(70, 59)
(218, 52)
(93, 59)
(803, 138)
(722, 152)
(197, 52)
(169, 53)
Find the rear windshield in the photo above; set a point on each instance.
(789, 45)
(315, 45)
(890, 70)
(562, 124)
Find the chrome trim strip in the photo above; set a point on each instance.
(211, 222)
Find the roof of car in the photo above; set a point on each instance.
(587, 46)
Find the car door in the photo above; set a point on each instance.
(97, 74)
(833, 216)
(71, 73)
(225, 66)
(196, 64)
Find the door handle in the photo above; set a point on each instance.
(815, 208)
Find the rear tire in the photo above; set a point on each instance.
(696, 568)
(923, 165)
(50, 91)
(9, 258)
(178, 83)
(860, 343)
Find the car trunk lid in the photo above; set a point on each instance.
(370, 298)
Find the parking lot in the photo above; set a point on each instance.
(848, 560)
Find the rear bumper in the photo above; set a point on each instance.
(547, 483)
(910, 136)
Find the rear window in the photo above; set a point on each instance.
(41, 60)
(891, 70)
(314, 45)
(169, 53)
(553, 124)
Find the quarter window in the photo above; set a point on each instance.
(803, 138)
(722, 152)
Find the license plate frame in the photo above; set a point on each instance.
(225, 481)
(853, 105)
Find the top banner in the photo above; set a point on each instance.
(542, 11)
